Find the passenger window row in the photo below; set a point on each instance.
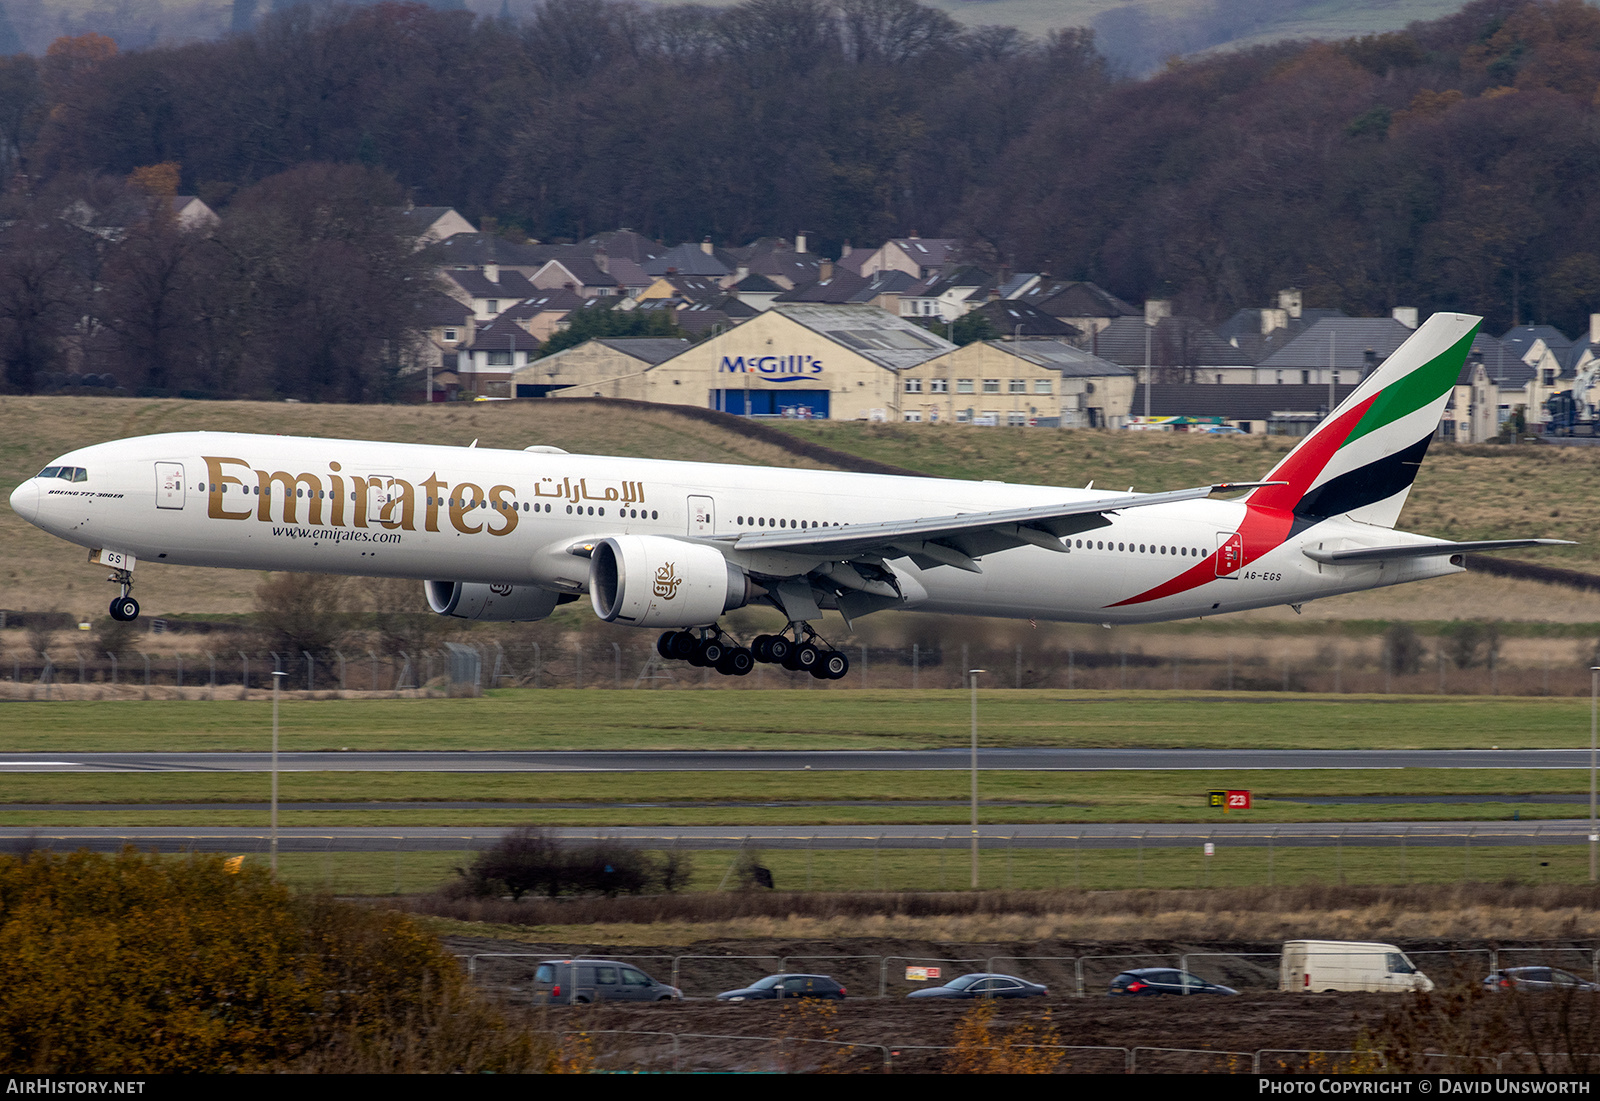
(1140, 548)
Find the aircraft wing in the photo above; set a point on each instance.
(957, 540)
(1428, 550)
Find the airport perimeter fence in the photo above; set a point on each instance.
(1337, 667)
(395, 861)
(702, 976)
(703, 1052)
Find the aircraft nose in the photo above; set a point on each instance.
(25, 500)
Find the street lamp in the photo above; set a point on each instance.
(1594, 742)
(277, 679)
(973, 674)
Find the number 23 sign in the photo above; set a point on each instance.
(1230, 800)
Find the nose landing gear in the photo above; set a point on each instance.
(124, 608)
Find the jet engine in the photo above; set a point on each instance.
(648, 581)
(500, 603)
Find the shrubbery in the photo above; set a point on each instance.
(138, 964)
(531, 860)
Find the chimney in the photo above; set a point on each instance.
(1157, 308)
(994, 294)
(846, 251)
(705, 246)
(1406, 315)
(1371, 359)
(1272, 320)
(491, 272)
(602, 260)
(1289, 300)
(1594, 330)
(800, 241)
(824, 269)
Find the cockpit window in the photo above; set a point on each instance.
(65, 473)
(79, 474)
(49, 472)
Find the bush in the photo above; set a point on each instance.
(535, 860)
(1402, 649)
(138, 964)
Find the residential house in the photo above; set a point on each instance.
(916, 256)
(1083, 305)
(586, 277)
(1177, 349)
(193, 215)
(489, 289)
(487, 365)
(428, 225)
(947, 296)
(1345, 348)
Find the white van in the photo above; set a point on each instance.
(1326, 965)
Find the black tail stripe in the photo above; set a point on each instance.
(1366, 485)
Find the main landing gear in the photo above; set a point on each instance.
(124, 608)
(711, 649)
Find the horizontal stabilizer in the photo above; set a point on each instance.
(1428, 550)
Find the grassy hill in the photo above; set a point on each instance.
(1462, 493)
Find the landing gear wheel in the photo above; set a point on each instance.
(737, 662)
(681, 645)
(124, 609)
(664, 644)
(761, 648)
(805, 658)
(778, 650)
(708, 653)
(833, 666)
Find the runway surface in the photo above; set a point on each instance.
(926, 760)
(234, 839)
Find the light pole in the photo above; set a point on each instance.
(277, 679)
(973, 674)
(1594, 742)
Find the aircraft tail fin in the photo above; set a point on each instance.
(1362, 459)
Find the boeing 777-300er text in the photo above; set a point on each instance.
(509, 535)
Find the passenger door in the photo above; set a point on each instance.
(169, 485)
(702, 517)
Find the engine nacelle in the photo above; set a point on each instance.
(648, 581)
(500, 603)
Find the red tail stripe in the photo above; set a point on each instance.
(1304, 463)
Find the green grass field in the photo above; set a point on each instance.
(788, 719)
(1022, 869)
(732, 799)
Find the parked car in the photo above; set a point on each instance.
(580, 982)
(1144, 981)
(983, 985)
(1535, 979)
(1329, 965)
(785, 986)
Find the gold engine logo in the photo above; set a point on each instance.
(667, 582)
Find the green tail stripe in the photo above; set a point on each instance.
(1426, 384)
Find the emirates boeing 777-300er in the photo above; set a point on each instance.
(510, 535)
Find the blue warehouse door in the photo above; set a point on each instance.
(810, 404)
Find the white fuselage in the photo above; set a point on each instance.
(508, 517)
